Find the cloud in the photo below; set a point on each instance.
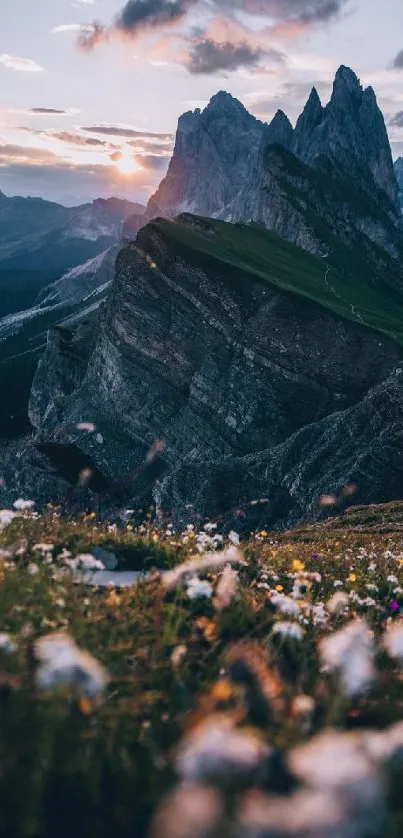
(122, 131)
(150, 147)
(10, 152)
(47, 112)
(83, 28)
(23, 65)
(152, 162)
(398, 61)
(397, 120)
(137, 16)
(208, 57)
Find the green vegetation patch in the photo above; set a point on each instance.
(266, 256)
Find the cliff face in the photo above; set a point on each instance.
(399, 178)
(333, 171)
(250, 390)
(215, 153)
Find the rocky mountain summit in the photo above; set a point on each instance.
(335, 165)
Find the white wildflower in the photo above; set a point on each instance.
(23, 505)
(372, 567)
(351, 653)
(211, 561)
(338, 603)
(234, 538)
(398, 591)
(373, 589)
(319, 614)
(85, 561)
(285, 604)
(6, 517)
(227, 588)
(209, 527)
(178, 655)
(216, 750)
(86, 426)
(393, 580)
(7, 643)
(393, 640)
(32, 569)
(338, 584)
(198, 588)
(291, 630)
(43, 548)
(63, 663)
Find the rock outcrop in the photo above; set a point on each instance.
(333, 171)
(246, 390)
(399, 178)
(214, 156)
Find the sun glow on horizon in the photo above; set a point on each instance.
(127, 164)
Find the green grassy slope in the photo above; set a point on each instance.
(266, 256)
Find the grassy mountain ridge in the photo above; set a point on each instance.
(268, 257)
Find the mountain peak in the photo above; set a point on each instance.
(223, 101)
(346, 84)
(279, 130)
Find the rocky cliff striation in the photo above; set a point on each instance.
(249, 389)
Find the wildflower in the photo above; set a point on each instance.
(393, 641)
(227, 588)
(350, 652)
(211, 561)
(393, 580)
(85, 561)
(6, 516)
(63, 663)
(352, 577)
(23, 505)
(298, 566)
(32, 569)
(86, 426)
(373, 589)
(215, 751)
(178, 655)
(337, 604)
(291, 630)
(7, 643)
(279, 588)
(43, 548)
(234, 538)
(394, 605)
(286, 605)
(196, 587)
(319, 614)
(338, 584)
(210, 527)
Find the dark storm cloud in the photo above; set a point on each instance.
(298, 11)
(118, 131)
(48, 111)
(397, 120)
(208, 57)
(398, 61)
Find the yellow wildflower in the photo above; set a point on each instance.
(298, 566)
(352, 577)
(279, 588)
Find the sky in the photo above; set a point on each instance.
(91, 90)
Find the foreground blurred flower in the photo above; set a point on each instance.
(337, 604)
(7, 643)
(210, 561)
(198, 588)
(393, 641)
(217, 751)
(191, 811)
(63, 663)
(351, 653)
(23, 505)
(291, 630)
(227, 588)
(6, 517)
(85, 561)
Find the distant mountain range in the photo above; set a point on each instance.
(257, 337)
